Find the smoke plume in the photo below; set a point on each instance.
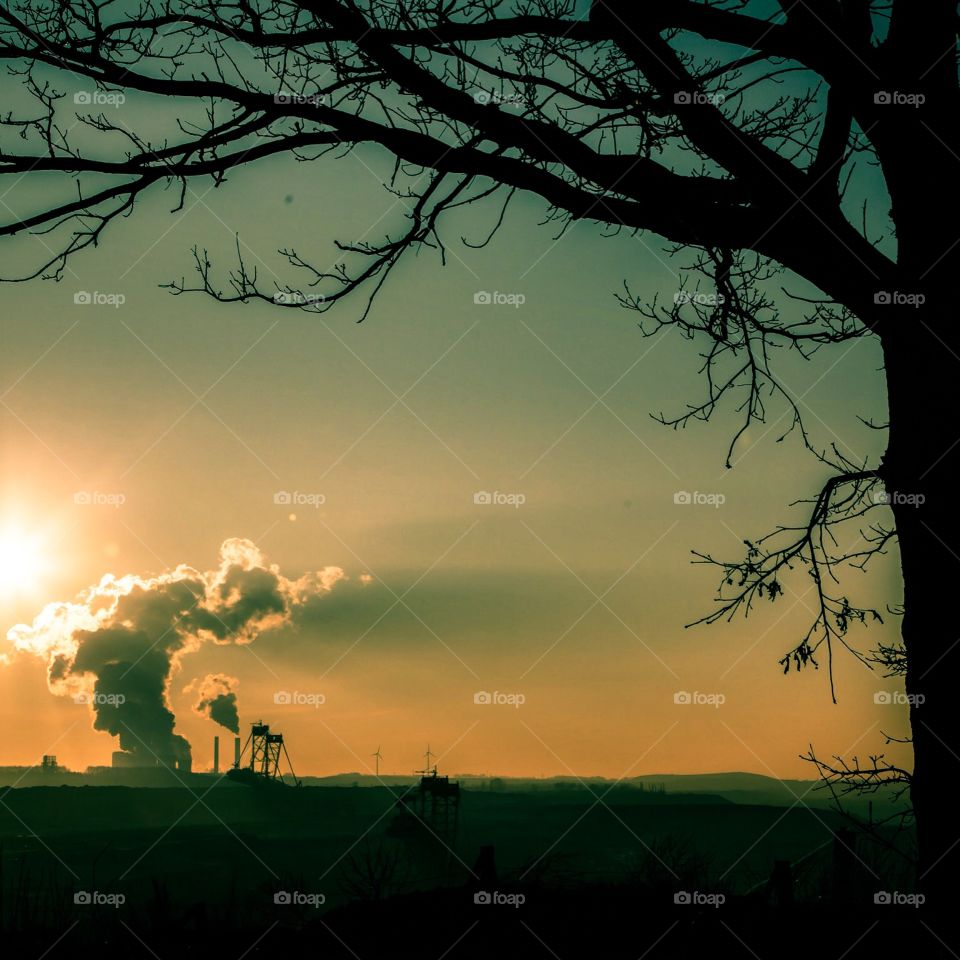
(218, 699)
(118, 644)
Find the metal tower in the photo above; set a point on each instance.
(435, 802)
(265, 752)
(265, 749)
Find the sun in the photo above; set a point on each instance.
(22, 562)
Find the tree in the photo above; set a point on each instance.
(738, 130)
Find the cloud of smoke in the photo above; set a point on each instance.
(217, 699)
(120, 641)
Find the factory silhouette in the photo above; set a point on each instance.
(258, 761)
(262, 760)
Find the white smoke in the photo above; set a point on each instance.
(121, 640)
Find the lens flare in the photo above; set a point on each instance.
(22, 562)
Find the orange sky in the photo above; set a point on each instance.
(192, 417)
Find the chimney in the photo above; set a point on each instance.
(236, 751)
(216, 754)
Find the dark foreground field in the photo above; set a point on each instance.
(231, 872)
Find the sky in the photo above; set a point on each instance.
(142, 435)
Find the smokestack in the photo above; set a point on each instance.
(236, 751)
(216, 754)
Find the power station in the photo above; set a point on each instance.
(127, 760)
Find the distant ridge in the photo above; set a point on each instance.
(733, 787)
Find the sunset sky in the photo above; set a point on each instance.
(182, 418)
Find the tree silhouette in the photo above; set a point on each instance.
(741, 131)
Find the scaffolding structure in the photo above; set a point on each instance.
(435, 802)
(265, 752)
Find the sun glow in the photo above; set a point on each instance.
(22, 562)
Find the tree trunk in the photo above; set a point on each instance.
(921, 470)
(920, 148)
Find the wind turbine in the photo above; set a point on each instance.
(377, 757)
(426, 771)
